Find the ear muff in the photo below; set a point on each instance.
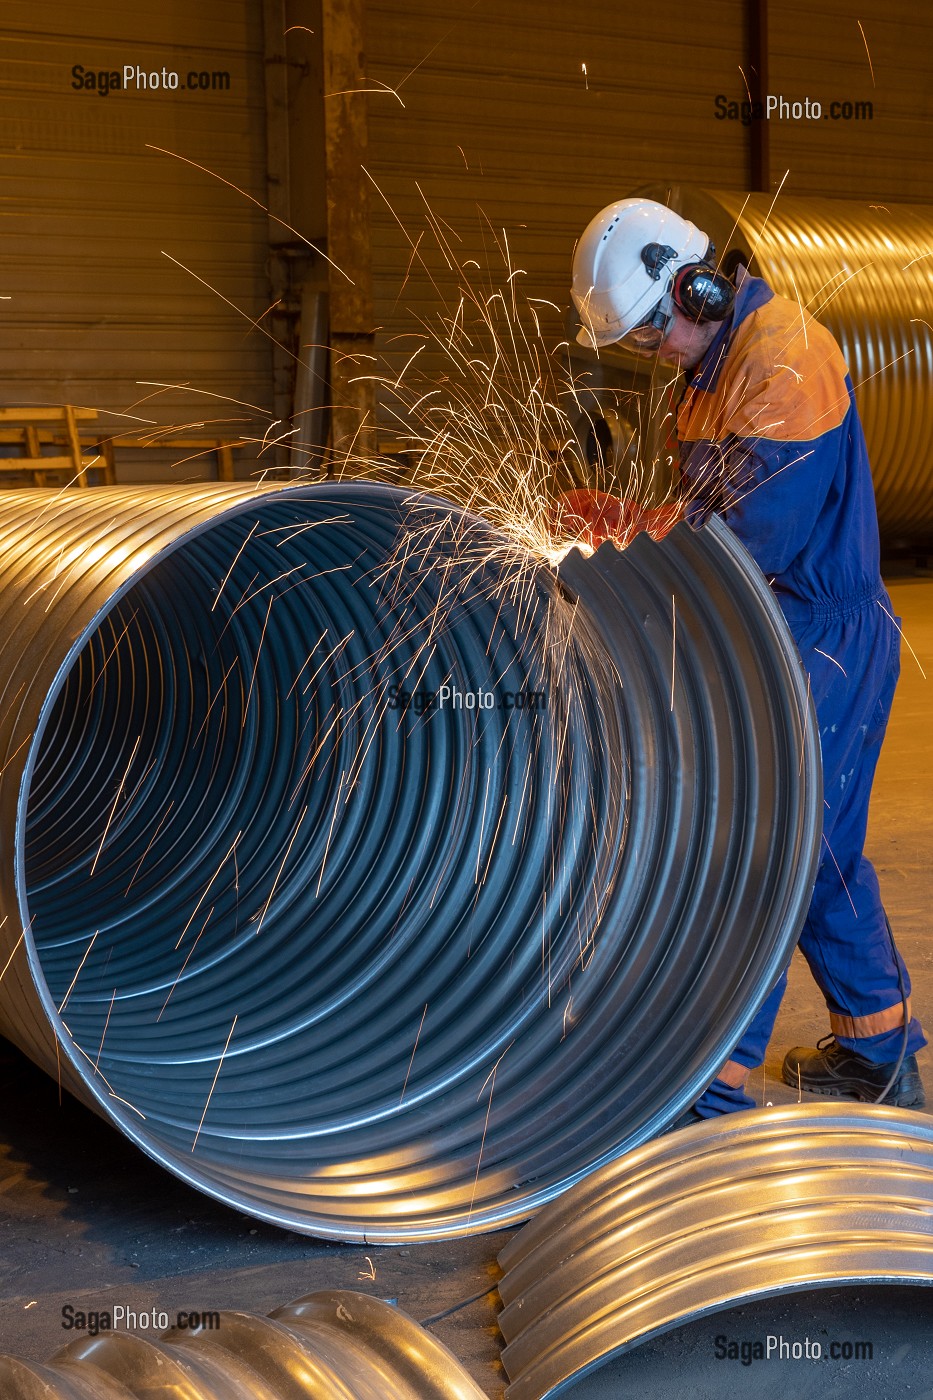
(702, 293)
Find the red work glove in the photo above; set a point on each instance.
(657, 520)
(594, 516)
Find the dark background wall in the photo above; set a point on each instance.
(89, 213)
(501, 127)
(497, 127)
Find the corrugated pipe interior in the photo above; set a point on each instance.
(370, 876)
(748, 1205)
(327, 1346)
(864, 271)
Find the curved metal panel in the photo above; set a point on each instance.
(366, 971)
(864, 270)
(723, 814)
(326, 1346)
(742, 1206)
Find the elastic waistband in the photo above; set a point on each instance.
(824, 609)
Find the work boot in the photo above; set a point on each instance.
(833, 1071)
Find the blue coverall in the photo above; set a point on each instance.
(770, 437)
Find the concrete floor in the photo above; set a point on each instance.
(86, 1219)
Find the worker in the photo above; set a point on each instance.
(770, 439)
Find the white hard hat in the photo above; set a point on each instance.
(617, 282)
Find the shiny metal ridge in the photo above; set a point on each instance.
(743, 1206)
(379, 973)
(336, 1345)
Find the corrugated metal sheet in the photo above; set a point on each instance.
(502, 129)
(744, 1206)
(337, 1345)
(361, 971)
(88, 210)
(820, 51)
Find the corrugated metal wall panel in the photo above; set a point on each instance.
(88, 213)
(818, 51)
(501, 127)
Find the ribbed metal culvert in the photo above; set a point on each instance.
(741, 1207)
(368, 972)
(336, 1345)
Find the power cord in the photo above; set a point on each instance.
(465, 1302)
(455, 1307)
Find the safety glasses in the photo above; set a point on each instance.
(646, 337)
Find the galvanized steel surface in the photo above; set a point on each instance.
(336, 1345)
(865, 271)
(129, 291)
(741, 1206)
(723, 811)
(378, 973)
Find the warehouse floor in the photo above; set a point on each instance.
(86, 1219)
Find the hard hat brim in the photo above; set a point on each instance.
(589, 340)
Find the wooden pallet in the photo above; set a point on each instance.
(35, 428)
(221, 450)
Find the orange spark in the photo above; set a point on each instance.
(214, 1084)
(865, 42)
(414, 1048)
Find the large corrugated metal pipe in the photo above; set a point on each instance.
(367, 874)
(336, 1345)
